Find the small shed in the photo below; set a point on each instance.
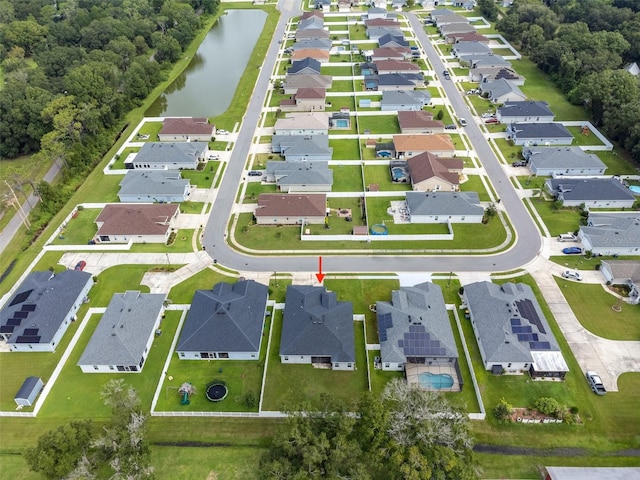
(28, 392)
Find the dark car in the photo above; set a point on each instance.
(80, 265)
(255, 173)
(446, 74)
(451, 126)
(491, 120)
(519, 164)
(572, 250)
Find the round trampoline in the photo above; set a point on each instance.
(216, 391)
(379, 229)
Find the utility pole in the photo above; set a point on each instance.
(16, 203)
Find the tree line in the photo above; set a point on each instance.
(584, 46)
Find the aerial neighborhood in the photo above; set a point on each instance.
(406, 209)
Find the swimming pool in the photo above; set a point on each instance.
(398, 174)
(435, 381)
(635, 189)
(342, 123)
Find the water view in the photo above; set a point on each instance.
(207, 85)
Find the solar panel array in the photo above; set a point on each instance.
(539, 345)
(418, 343)
(528, 311)
(20, 297)
(384, 323)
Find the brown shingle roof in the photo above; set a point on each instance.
(396, 65)
(381, 22)
(314, 53)
(311, 93)
(189, 126)
(468, 37)
(135, 219)
(413, 143)
(293, 205)
(312, 13)
(391, 52)
(414, 119)
(428, 165)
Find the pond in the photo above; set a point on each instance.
(207, 85)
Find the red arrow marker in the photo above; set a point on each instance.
(320, 275)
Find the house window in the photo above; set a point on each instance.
(223, 355)
(181, 354)
(111, 367)
(204, 355)
(286, 358)
(95, 367)
(121, 368)
(253, 355)
(386, 365)
(336, 365)
(508, 365)
(348, 365)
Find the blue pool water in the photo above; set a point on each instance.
(342, 123)
(635, 189)
(398, 174)
(435, 381)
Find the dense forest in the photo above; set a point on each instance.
(584, 46)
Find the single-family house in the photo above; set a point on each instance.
(611, 233)
(556, 161)
(382, 22)
(324, 5)
(377, 12)
(306, 66)
(512, 332)
(416, 122)
(123, 338)
(311, 34)
(168, 156)
(318, 54)
(305, 100)
(539, 134)
(311, 13)
(225, 323)
(390, 40)
(186, 129)
(404, 100)
(150, 186)
(29, 391)
(300, 177)
(291, 209)
(389, 82)
(450, 28)
(430, 173)
(407, 146)
(317, 329)
(302, 148)
(525, 112)
(440, 12)
(344, 6)
(591, 473)
(414, 330)
(461, 49)
(590, 192)
(484, 74)
(444, 207)
(390, 53)
(136, 222)
(38, 315)
(448, 19)
(484, 61)
(375, 33)
(396, 66)
(398, 4)
(466, 37)
(623, 272)
(321, 43)
(312, 123)
(311, 19)
(293, 82)
(501, 91)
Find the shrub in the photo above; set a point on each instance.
(549, 406)
(502, 410)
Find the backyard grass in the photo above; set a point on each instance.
(342, 71)
(149, 128)
(183, 292)
(580, 139)
(474, 184)
(381, 175)
(345, 149)
(342, 86)
(256, 188)
(618, 162)
(338, 103)
(378, 124)
(339, 225)
(120, 159)
(347, 178)
(79, 230)
(288, 385)
(557, 221)
(591, 304)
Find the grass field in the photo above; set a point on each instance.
(347, 178)
(380, 175)
(557, 221)
(344, 149)
(474, 184)
(378, 124)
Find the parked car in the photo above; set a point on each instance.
(446, 74)
(572, 275)
(519, 164)
(488, 115)
(414, 48)
(80, 265)
(595, 382)
(491, 120)
(451, 126)
(463, 122)
(255, 173)
(473, 91)
(213, 156)
(222, 132)
(567, 237)
(572, 250)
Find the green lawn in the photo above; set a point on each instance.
(120, 159)
(381, 175)
(344, 149)
(591, 304)
(581, 139)
(378, 124)
(617, 162)
(338, 103)
(256, 188)
(511, 152)
(341, 86)
(357, 32)
(481, 104)
(474, 184)
(149, 128)
(557, 221)
(347, 178)
(80, 229)
(532, 182)
(339, 225)
(204, 280)
(345, 71)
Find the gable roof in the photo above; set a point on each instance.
(301, 144)
(398, 65)
(624, 269)
(171, 152)
(438, 142)
(186, 126)
(150, 182)
(316, 323)
(525, 109)
(607, 231)
(439, 12)
(306, 64)
(312, 13)
(303, 120)
(391, 52)
(509, 321)
(309, 21)
(35, 313)
(412, 97)
(125, 327)
(307, 81)
(633, 69)
(444, 203)
(315, 53)
(485, 61)
(227, 318)
(300, 173)
(391, 39)
(590, 189)
(291, 205)
(429, 165)
(468, 37)
(471, 48)
(394, 79)
(562, 157)
(311, 93)
(135, 219)
(322, 43)
(378, 32)
(415, 324)
(540, 130)
(500, 87)
(305, 33)
(456, 28)
(382, 22)
(415, 118)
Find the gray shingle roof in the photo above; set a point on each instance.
(300, 173)
(394, 79)
(540, 130)
(471, 48)
(301, 144)
(562, 157)
(575, 189)
(613, 230)
(443, 203)
(525, 109)
(124, 329)
(171, 152)
(321, 43)
(499, 88)
(414, 97)
(420, 305)
(40, 305)
(227, 318)
(309, 64)
(492, 307)
(153, 182)
(315, 323)
(390, 39)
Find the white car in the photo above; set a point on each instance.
(595, 382)
(213, 156)
(222, 132)
(572, 275)
(463, 122)
(488, 115)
